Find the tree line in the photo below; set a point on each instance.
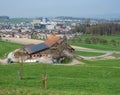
(107, 29)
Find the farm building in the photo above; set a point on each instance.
(54, 49)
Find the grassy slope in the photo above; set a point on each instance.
(88, 79)
(105, 37)
(93, 78)
(106, 63)
(82, 53)
(98, 46)
(7, 47)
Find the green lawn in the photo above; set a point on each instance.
(98, 46)
(106, 63)
(7, 47)
(93, 78)
(82, 53)
(105, 37)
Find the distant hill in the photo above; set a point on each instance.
(109, 16)
(4, 17)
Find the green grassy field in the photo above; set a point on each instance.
(7, 47)
(106, 63)
(98, 45)
(82, 53)
(93, 78)
(105, 37)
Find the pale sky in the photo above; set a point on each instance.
(52, 8)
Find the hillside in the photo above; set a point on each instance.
(87, 79)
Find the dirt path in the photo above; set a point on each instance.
(3, 61)
(22, 40)
(74, 62)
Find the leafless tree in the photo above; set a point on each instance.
(20, 55)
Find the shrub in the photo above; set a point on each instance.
(88, 40)
(103, 41)
(79, 39)
(66, 60)
(94, 40)
(113, 42)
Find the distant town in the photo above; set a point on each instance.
(37, 28)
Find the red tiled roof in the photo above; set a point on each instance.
(52, 40)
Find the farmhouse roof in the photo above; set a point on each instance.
(36, 48)
(52, 40)
(27, 46)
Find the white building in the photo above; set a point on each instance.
(50, 27)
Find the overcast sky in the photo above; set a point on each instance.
(47, 8)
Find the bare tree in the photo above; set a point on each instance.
(0, 37)
(20, 55)
(44, 77)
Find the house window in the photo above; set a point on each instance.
(34, 55)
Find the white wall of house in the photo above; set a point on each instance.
(50, 27)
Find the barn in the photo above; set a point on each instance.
(54, 48)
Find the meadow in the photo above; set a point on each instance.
(87, 54)
(7, 47)
(113, 42)
(92, 78)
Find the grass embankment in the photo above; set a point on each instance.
(82, 53)
(7, 47)
(105, 63)
(93, 78)
(108, 46)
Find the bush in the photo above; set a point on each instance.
(103, 41)
(94, 40)
(79, 39)
(88, 40)
(113, 42)
(66, 60)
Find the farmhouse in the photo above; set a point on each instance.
(54, 48)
